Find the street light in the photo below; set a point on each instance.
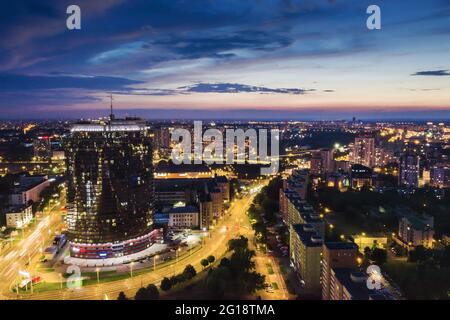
(98, 274)
(154, 262)
(60, 280)
(178, 250)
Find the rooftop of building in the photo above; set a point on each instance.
(355, 283)
(183, 209)
(204, 197)
(311, 217)
(221, 179)
(341, 245)
(307, 234)
(16, 209)
(360, 171)
(180, 184)
(165, 167)
(127, 124)
(416, 222)
(27, 182)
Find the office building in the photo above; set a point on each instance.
(110, 193)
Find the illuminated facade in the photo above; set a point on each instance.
(409, 169)
(364, 151)
(110, 192)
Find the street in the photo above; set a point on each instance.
(233, 224)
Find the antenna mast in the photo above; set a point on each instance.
(111, 116)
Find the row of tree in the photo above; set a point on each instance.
(151, 292)
(188, 273)
(235, 276)
(264, 208)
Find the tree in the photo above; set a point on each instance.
(177, 279)
(419, 254)
(211, 259)
(239, 243)
(204, 263)
(241, 260)
(153, 292)
(379, 256)
(166, 284)
(367, 252)
(148, 293)
(219, 282)
(225, 262)
(141, 294)
(122, 296)
(445, 259)
(189, 272)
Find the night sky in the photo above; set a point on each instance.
(266, 59)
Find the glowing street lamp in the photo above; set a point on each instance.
(154, 262)
(60, 280)
(178, 250)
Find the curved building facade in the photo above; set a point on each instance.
(110, 192)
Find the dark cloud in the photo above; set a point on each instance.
(216, 45)
(437, 73)
(239, 88)
(212, 88)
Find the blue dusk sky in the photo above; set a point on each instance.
(242, 59)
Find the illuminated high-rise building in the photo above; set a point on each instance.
(409, 169)
(42, 148)
(110, 191)
(322, 161)
(364, 151)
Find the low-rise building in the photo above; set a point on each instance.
(184, 217)
(28, 189)
(446, 239)
(371, 240)
(416, 231)
(351, 284)
(18, 217)
(360, 176)
(166, 170)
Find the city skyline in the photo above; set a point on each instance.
(281, 60)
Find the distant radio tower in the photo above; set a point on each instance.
(111, 116)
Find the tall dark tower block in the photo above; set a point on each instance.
(110, 191)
